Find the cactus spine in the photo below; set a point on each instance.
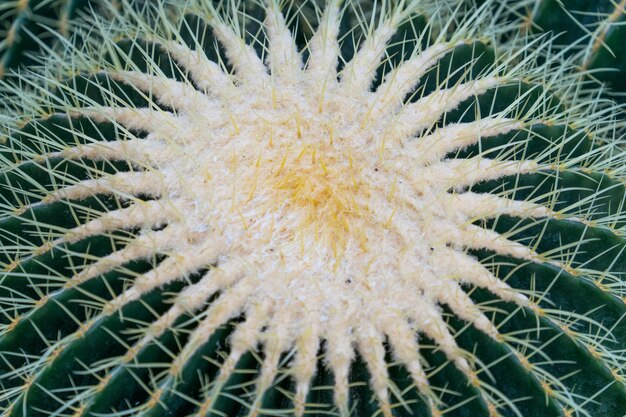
(267, 208)
(29, 24)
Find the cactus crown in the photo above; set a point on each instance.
(247, 208)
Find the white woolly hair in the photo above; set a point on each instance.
(332, 211)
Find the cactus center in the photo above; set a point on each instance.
(305, 173)
(328, 198)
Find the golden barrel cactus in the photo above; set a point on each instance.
(293, 208)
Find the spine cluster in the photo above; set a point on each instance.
(252, 209)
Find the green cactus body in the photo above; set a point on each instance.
(600, 26)
(303, 209)
(27, 23)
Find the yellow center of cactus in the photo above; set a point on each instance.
(329, 196)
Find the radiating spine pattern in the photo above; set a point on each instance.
(311, 208)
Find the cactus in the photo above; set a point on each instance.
(595, 26)
(25, 25)
(296, 208)
(572, 20)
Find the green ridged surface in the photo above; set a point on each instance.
(27, 24)
(596, 25)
